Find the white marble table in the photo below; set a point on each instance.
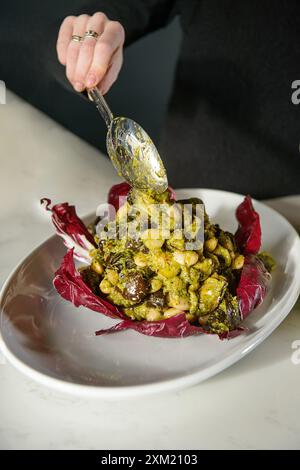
(253, 404)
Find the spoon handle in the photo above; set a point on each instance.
(102, 106)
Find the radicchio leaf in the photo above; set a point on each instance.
(70, 285)
(117, 194)
(253, 285)
(71, 228)
(174, 327)
(172, 193)
(248, 234)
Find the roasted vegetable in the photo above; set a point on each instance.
(158, 283)
(136, 287)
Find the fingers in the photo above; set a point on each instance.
(79, 28)
(91, 61)
(110, 41)
(112, 72)
(64, 38)
(95, 23)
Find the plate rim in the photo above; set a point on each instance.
(161, 386)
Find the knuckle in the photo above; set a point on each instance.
(82, 18)
(69, 19)
(118, 29)
(99, 16)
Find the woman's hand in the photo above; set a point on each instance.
(91, 61)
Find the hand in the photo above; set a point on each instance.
(91, 62)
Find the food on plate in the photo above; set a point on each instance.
(161, 266)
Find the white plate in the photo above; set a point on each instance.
(53, 342)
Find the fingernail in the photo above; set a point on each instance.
(78, 86)
(91, 81)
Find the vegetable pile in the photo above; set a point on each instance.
(152, 282)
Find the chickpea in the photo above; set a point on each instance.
(112, 276)
(182, 304)
(156, 284)
(187, 258)
(171, 312)
(169, 271)
(223, 253)
(153, 238)
(191, 257)
(140, 260)
(105, 286)
(153, 244)
(179, 257)
(205, 266)
(211, 244)
(238, 262)
(97, 266)
(153, 314)
(225, 240)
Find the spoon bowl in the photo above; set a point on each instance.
(131, 150)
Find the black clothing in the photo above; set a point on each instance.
(231, 122)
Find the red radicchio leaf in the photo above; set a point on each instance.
(253, 284)
(70, 285)
(174, 327)
(172, 193)
(118, 193)
(248, 234)
(71, 228)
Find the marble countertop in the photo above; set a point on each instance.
(253, 404)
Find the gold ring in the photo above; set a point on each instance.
(91, 34)
(76, 38)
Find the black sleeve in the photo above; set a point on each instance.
(28, 60)
(138, 17)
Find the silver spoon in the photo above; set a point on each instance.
(131, 150)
